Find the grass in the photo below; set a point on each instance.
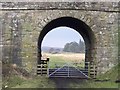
(44, 82)
(93, 84)
(34, 82)
(37, 82)
(112, 74)
(12, 81)
(58, 60)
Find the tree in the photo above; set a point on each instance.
(71, 47)
(51, 50)
(75, 47)
(66, 48)
(81, 46)
(57, 50)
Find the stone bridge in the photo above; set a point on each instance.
(24, 25)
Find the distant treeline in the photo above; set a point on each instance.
(75, 47)
(69, 47)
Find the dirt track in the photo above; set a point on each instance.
(65, 82)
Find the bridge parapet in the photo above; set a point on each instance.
(101, 17)
(86, 6)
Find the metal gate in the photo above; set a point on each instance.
(67, 70)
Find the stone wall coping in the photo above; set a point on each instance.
(88, 6)
(59, 0)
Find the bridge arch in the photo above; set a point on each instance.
(81, 27)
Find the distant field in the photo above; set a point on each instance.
(58, 60)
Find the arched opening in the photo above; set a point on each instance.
(64, 46)
(77, 25)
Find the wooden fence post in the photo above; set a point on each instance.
(88, 69)
(47, 66)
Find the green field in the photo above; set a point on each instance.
(72, 59)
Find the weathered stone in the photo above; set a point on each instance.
(101, 17)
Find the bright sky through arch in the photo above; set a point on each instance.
(59, 36)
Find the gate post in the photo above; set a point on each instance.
(47, 66)
(42, 67)
(88, 69)
(39, 57)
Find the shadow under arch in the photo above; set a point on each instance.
(81, 27)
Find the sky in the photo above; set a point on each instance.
(59, 36)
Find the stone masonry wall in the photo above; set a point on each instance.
(102, 18)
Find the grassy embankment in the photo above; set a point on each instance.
(74, 83)
(44, 82)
